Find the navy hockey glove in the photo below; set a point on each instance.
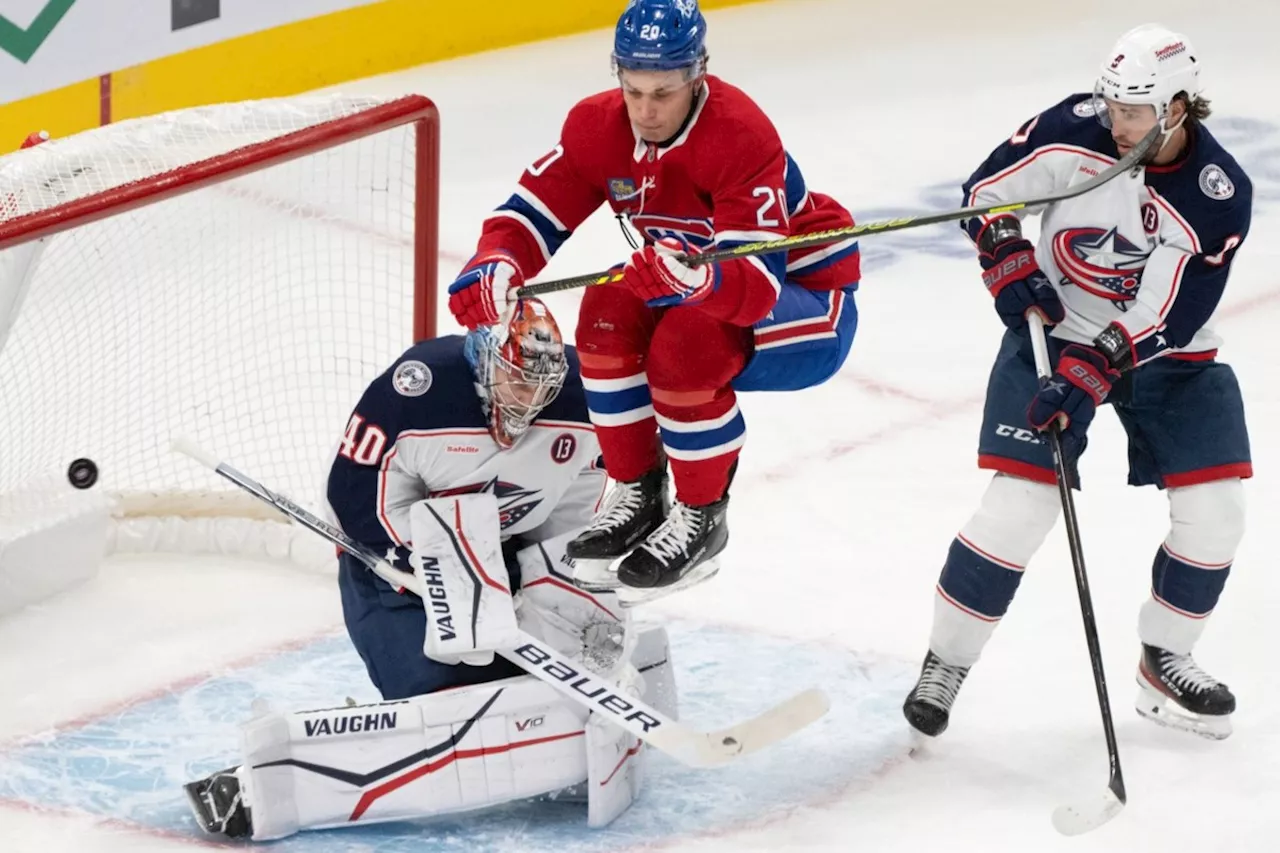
(1079, 385)
(1013, 276)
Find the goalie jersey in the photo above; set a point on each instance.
(1150, 250)
(420, 431)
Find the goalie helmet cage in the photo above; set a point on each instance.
(236, 273)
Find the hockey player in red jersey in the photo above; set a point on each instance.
(692, 163)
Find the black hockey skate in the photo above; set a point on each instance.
(680, 553)
(218, 805)
(1175, 692)
(632, 510)
(928, 705)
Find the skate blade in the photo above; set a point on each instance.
(1164, 711)
(596, 575)
(201, 809)
(920, 744)
(631, 596)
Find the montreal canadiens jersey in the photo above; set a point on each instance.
(420, 431)
(723, 181)
(1151, 250)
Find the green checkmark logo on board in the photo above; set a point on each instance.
(22, 43)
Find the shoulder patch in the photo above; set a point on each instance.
(1215, 183)
(411, 379)
(1085, 109)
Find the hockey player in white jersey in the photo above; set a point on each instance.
(1130, 274)
(471, 463)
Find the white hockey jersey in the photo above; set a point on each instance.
(419, 431)
(1150, 250)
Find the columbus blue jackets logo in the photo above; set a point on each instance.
(412, 378)
(696, 232)
(514, 501)
(1102, 262)
(1086, 109)
(1215, 183)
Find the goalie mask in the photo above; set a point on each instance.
(519, 369)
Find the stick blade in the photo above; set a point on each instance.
(1088, 814)
(188, 447)
(778, 723)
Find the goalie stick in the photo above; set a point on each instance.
(1087, 814)
(820, 238)
(687, 745)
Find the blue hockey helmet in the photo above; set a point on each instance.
(661, 35)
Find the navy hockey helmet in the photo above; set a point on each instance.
(661, 35)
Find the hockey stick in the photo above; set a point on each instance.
(686, 745)
(820, 238)
(1091, 813)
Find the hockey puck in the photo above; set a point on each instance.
(83, 473)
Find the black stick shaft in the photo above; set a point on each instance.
(1116, 782)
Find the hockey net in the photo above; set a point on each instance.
(236, 274)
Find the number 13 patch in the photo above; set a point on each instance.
(563, 448)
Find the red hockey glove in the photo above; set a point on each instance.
(657, 276)
(483, 290)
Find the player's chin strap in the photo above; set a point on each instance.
(687, 745)
(1166, 133)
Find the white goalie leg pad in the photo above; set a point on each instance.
(1009, 527)
(615, 762)
(1207, 523)
(615, 758)
(452, 751)
(586, 626)
(457, 555)
(651, 658)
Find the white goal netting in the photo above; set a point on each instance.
(248, 313)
